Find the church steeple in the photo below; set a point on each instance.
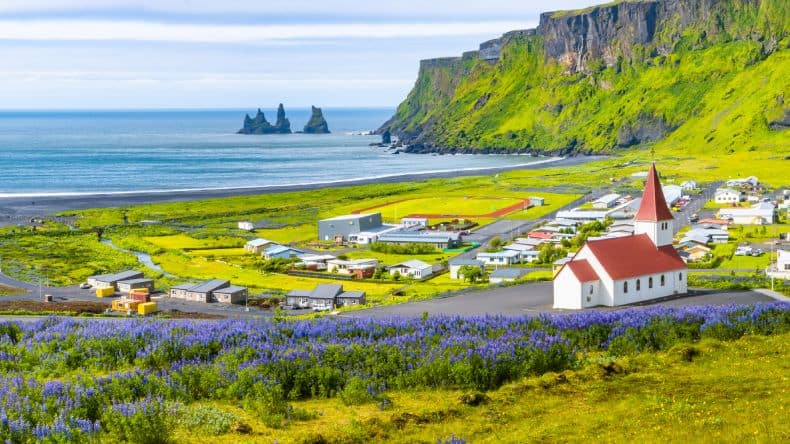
(654, 217)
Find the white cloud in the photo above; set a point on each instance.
(93, 30)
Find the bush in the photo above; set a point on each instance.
(206, 419)
(402, 249)
(148, 421)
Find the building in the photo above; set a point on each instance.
(672, 194)
(111, 280)
(281, 252)
(359, 268)
(537, 201)
(414, 269)
(606, 201)
(257, 246)
(689, 185)
(750, 182)
(214, 290)
(232, 294)
(625, 210)
(694, 252)
(135, 284)
(341, 227)
(409, 222)
(763, 213)
(533, 243)
(706, 235)
(324, 297)
(440, 240)
(315, 262)
(456, 264)
(525, 252)
(372, 235)
(781, 269)
(246, 225)
(727, 196)
(630, 269)
(504, 257)
(506, 275)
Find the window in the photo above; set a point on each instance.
(625, 287)
(650, 282)
(591, 291)
(680, 276)
(638, 284)
(662, 280)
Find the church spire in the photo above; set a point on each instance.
(654, 206)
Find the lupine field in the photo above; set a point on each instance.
(80, 380)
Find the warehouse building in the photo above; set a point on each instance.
(341, 227)
(111, 280)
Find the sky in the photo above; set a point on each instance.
(147, 54)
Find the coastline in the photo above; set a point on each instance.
(23, 206)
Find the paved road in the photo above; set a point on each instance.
(532, 299)
(695, 206)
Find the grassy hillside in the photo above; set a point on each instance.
(705, 86)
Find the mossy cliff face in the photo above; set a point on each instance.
(705, 74)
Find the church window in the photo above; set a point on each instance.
(625, 287)
(650, 282)
(638, 284)
(662, 280)
(680, 276)
(591, 290)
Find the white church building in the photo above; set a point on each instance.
(630, 269)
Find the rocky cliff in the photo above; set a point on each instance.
(259, 125)
(317, 124)
(616, 75)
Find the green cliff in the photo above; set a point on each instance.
(691, 74)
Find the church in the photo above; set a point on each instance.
(626, 270)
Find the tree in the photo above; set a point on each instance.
(396, 275)
(471, 273)
(496, 242)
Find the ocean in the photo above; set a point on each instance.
(87, 152)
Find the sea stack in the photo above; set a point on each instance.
(317, 123)
(386, 137)
(259, 125)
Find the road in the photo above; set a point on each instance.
(534, 298)
(696, 204)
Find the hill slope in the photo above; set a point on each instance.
(701, 74)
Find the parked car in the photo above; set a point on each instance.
(85, 285)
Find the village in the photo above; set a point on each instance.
(607, 250)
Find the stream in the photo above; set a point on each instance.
(143, 258)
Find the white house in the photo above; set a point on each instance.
(506, 275)
(246, 225)
(456, 264)
(352, 266)
(749, 181)
(781, 270)
(760, 214)
(504, 257)
(526, 253)
(689, 185)
(259, 245)
(672, 194)
(414, 222)
(281, 252)
(607, 201)
(727, 196)
(414, 269)
(630, 269)
(315, 261)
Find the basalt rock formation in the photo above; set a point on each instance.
(317, 124)
(697, 73)
(259, 125)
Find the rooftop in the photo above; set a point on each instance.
(230, 289)
(632, 256)
(414, 263)
(508, 273)
(209, 286)
(351, 216)
(654, 205)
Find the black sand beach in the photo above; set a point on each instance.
(19, 210)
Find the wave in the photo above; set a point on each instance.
(364, 179)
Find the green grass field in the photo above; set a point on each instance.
(185, 242)
(708, 392)
(471, 206)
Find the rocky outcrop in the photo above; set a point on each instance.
(317, 124)
(645, 129)
(386, 137)
(259, 125)
(781, 123)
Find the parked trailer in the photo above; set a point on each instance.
(124, 305)
(104, 292)
(146, 308)
(140, 297)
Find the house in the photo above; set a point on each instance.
(257, 246)
(750, 182)
(281, 252)
(180, 291)
(727, 196)
(506, 275)
(694, 251)
(711, 221)
(135, 284)
(542, 235)
(606, 201)
(781, 269)
(525, 252)
(763, 213)
(504, 257)
(341, 227)
(706, 235)
(111, 280)
(537, 201)
(672, 194)
(359, 268)
(421, 222)
(529, 242)
(440, 240)
(456, 264)
(324, 297)
(315, 262)
(246, 225)
(202, 292)
(414, 269)
(372, 235)
(624, 210)
(688, 185)
(630, 269)
(232, 294)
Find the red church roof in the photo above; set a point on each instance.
(632, 256)
(653, 207)
(583, 270)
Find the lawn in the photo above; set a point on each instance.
(392, 259)
(220, 252)
(186, 242)
(750, 262)
(290, 234)
(553, 202)
(451, 206)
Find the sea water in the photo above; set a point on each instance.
(134, 151)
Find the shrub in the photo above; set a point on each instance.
(206, 419)
(148, 421)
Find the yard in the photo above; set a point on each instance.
(186, 242)
(392, 259)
